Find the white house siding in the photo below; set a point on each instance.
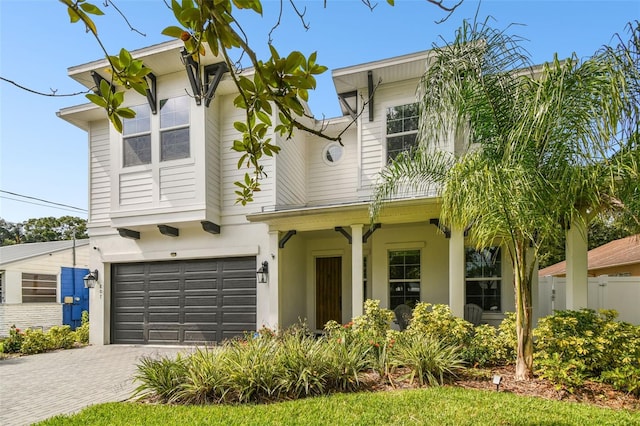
(29, 315)
(332, 183)
(213, 164)
(233, 212)
(373, 150)
(290, 171)
(99, 172)
(178, 183)
(292, 289)
(136, 189)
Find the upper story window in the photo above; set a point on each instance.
(39, 288)
(174, 129)
(402, 129)
(136, 134)
(333, 153)
(483, 277)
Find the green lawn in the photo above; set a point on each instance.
(435, 406)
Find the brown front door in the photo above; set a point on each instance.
(328, 290)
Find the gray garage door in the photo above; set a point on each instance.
(184, 302)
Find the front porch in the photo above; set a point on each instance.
(324, 262)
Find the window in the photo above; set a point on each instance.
(332, 153)
(402, 129)
(39, 288)
(137, 137)
(483, 273)
(174, 129)
(404, 278)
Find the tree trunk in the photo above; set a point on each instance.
(524, 329)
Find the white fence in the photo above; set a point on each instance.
(619, 293)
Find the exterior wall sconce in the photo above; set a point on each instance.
(91, 279)
(263, 273)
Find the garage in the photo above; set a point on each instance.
(183, 302)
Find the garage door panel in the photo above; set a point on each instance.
(192, 301)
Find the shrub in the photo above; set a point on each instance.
(160, 378)
(13, 343)
(438, 322)
(82, 332)
(430, 360)
(35, 341)
(61, 337)
(204, 381)
(625, 378)
(575, 345)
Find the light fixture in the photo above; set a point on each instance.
(91, 279)
(263, 272)
(496, 381)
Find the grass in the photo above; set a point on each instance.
(438, 405)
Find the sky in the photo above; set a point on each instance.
(46, 158)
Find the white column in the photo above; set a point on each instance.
(577, 265)
(357, 296)
(274, 278)
(456, 272)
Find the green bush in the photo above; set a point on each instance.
(61, 337)
(13, 343)
(430, 360)
(438, 322)
(35, 341)
(203, 380)
(82, 332)
(160, 378)
(572, 346)
(625, 378)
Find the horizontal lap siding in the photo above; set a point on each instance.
(183, 302)
(290, 190)
(100, 167)
(136, 188)
(178, 183)
(212, 152)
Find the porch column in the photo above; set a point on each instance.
(274, 275)
(456, 272)
(577, 264)
(357, 296)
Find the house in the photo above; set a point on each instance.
(34, 284)
(178, 258)
(619, 258)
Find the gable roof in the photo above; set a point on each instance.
(16, 252)
(625, 251)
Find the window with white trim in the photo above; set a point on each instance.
(404, 277)
(136, 141)
(483, 278)
(402, 129)
(174, 129)
(39, 288)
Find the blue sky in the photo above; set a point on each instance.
(44, 157)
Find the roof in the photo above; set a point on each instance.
(17, 252)
(625, 251)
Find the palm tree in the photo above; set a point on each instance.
(530, 149)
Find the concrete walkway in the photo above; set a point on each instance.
(36, 387)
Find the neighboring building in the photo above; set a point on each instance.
(178, 257)
(619, 258)
(31, 282)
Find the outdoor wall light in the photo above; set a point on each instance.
(91, 279)
(263, 272)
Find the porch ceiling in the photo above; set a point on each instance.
(328, 217)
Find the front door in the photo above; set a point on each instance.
(328, 290)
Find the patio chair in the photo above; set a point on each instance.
(473, 313)
(403, 316)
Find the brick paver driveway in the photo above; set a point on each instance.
(36, 387)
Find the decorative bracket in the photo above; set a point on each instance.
(169, 231)
(210, 227)
(352, 108)
(370, 87)
(129, 233)
(286, 238)
(152, 97)
(344, 232)
(97, 79)
(370, 231)
(193, 72)
(212, 75)
(446, 231)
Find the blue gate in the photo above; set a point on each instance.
(75, 297)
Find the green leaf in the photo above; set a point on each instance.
(117, 123)
(391, 2)
(240, 126)
(126, 113)
(98, 100)
(125, 58)
(91, 8)
(262, 116)
(173, 31)
(73, 16)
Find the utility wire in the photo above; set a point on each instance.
(43, 201)
(40, 204)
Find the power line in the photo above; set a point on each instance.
(42, 201)
(40, 204)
